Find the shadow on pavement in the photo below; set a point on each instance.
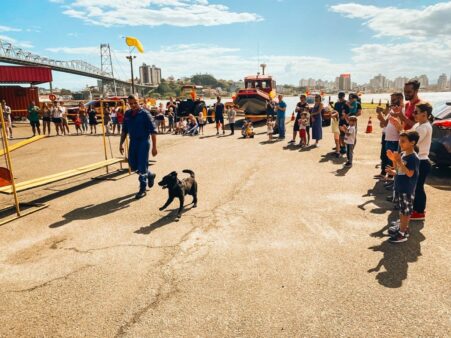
(343, 171)
(397, 257)
(94, 211)
(165, 220)
(332, 157)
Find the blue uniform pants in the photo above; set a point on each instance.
(138, 159)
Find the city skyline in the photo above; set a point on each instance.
(230, 38)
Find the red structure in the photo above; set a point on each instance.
(31, 75)
(17, 97)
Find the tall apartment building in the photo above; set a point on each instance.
(400, 82)
(150, 74)
(442, 82)
(344, 82)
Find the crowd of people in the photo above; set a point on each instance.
(405, 142)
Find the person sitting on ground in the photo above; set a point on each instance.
(244, 127)
(406, 170)
(270, 127)
(181, 126)
(193, 127)
(350, 135)
(33, 117)
(250, 130)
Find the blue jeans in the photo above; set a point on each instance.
(281, 126)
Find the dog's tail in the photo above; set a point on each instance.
(190, 172)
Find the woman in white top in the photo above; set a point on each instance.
(423, 127)
(57, 113)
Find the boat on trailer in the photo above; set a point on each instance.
(253, 99)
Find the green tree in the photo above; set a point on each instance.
(205, 80)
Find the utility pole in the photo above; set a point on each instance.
(130, 58)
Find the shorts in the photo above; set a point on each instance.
(296, 127)
(92, 122)
(34, 123)
(404, 203)
(57, 120)
(219, 119)
(46, 119)
(114, 120)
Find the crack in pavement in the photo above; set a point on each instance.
(53, 280)
(118, 246)
(169, 287)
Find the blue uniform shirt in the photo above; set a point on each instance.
(281, 113)
(139, 126)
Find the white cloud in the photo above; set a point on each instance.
(182, 13)
(9, 29)
(75, 50)
(428, 22)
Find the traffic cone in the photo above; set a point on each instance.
(292, 116)
(369, 127)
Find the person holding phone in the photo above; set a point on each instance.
(391, 124)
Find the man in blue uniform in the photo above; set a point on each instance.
(138, 124)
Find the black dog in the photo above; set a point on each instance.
(178, 189)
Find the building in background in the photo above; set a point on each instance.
(150, 75)
(424, 81)
(379, 82)
(442, 82)
(344, 82)
(400, 81)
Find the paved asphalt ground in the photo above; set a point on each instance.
(284, 243)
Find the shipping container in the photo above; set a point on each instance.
(32, 75)
(19, 98)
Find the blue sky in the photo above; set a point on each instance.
(227, 38)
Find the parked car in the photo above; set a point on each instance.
(440, 152)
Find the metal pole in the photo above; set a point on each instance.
(133, 77)
(103, 133)
(126, 142)
(9, 163)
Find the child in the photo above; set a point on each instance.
(405, 168)
(250, 130)
(350, 134)
(270, 125)
(302, 129)
(336, 131)
(244, 128)
(170, 119)
(78, 124)
(201, 122)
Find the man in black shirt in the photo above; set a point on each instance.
(343, 110)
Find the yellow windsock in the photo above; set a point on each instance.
(134, 42)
